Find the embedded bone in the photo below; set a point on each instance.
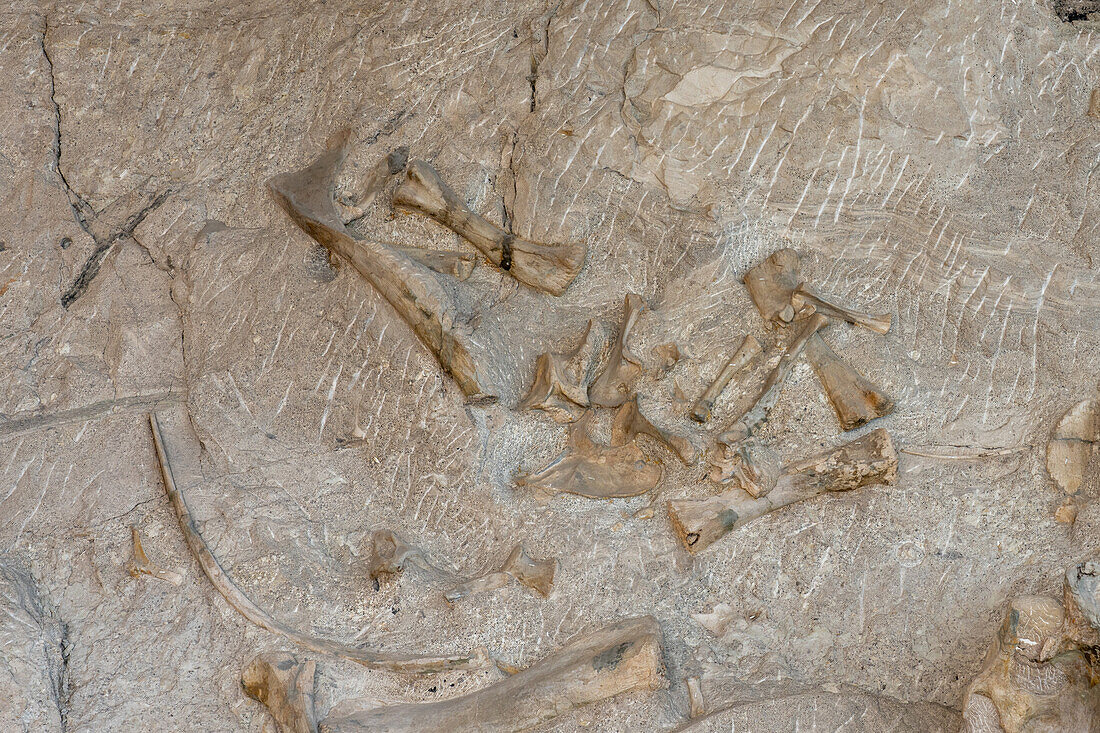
(696, 705)
(1081, 591)
(390, 554)
(1074, 445)
(356, 201)
(285, 686)
(140, 565)
(773, 386)
(456, 264)
(745, 468)
(538, 575)
(854, 398)
(417, 293)
(803, 298)
(589, 469)
(871, 459)
(771, 284)
(612, 387)
(630, 422)
(749, 350)
(547, 267)
(668, 356)
(560, 387)
(623, 657)
(178, 449)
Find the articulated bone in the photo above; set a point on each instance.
(854, 398)
(769, 395)
(623, 657)
(547, 267)
(630, 422)
(612, 387)
(804, 298)
(538, 575)
(593, 470)
(561, 381)
(178, 454)
(771, 285)
(414, 290)
(749, 350)
(140, 565)
(285, 686)
(867, 460)
(744, 468)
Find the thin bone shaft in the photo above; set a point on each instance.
(876, 323)
(748, 351)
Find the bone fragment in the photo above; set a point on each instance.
(140, 565)
(623, 657)
(538, 575)
(630, 422)
(773, 386)
(749, 350)
(589, 469)
(745, 468)
(390, 554)
(668, 355)
(696, 705)
(861, 462)
(456, 264)
(1074, 445)
(547, 267)
(561, 381)
(285, 686)
(771, 284)
(419, 295)
(612, 387)
(356, 201)
(803, 297)
(178, 450)
(854, 398)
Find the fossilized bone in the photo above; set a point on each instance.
(416, 292)
(697, 706)
(744, 467)
(623, 657)
(547, 267)
(390, 554)
(355, 202)
(669, 355)
(1074, 444)
(285, 686)
(774, 285)
(140, 565)
(803, 298)
(749, 350)
(871, 459)
(178, 452)
(538, 575)
(561, 381)
(630, 422)
(612, 387)
(593, 470)
(773, 386)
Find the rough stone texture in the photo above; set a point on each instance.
(933, 160)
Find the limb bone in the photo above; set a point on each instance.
(140, 565)
(561, 381)
(538, 575)
(593, 470)
(546, 267)
(749, 350)
(613, 385)
(285, 686)
(623, 657)
(803, 297)
(854, 398)
(178, 454)
(630, 422)
(867, 460)
(415, 291)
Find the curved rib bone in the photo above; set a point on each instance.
(867, 460)
(538, 575)
(804, 297)
(854, 398)
(561, 381)
(598, 472)
(285, 686)
(547, 267)
(612, 387)
(749, 350)
(414, 291)
(178, 457)
(623, 657)
(630, 422)
(140, 565)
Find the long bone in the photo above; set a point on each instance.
(178, 449)
(623, 657)
(416, 292)
(803, 297)
(871, 459)
(547, 267)
(612, 387)
(746, 352)
(855, 400)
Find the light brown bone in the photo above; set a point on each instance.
(630, 422)
(416, 292)
(561, 381)
(773, 386)
(746, 468)
(538, 575)
(589, 469)
(547, 267)
(612, 387)
(178, 451)
(854, 398)
(285, 686)
(1074, 445)
(623, 657)
(390, 554)
(749, 350)
(355, 202)
(803, 298)
(864, 461)
(140, 565)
